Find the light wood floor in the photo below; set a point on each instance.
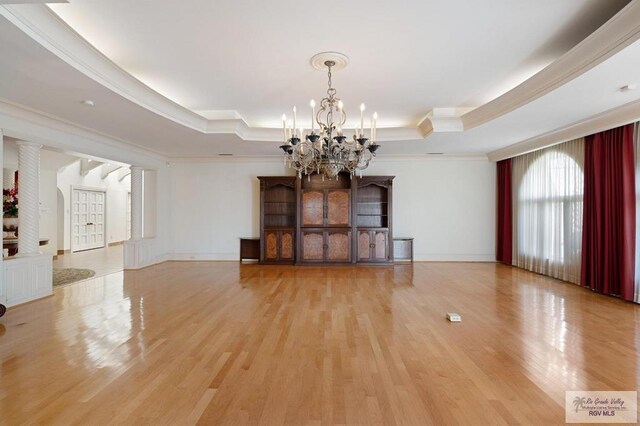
(223, 343)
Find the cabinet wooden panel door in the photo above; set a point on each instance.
(338, 246)
(338, 207)
(380, 246)
(373, 245)
(312, 208)
(364, 245)
(326, 246)
(313, 246)
(271, 246)
(278, 246)
(330, 207)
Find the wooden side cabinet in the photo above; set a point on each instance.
(403, 249)
(373, 245)
(249, 248)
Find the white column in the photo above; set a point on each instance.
(136, 202)
(28, 198)
(3, 294)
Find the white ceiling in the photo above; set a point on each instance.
(406, 57)
(253, 59)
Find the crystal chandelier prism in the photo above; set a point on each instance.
(328, 150)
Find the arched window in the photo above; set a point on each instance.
(549, 187)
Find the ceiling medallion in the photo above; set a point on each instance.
(322, 152)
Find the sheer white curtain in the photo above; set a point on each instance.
(548, 188)
(636, 145)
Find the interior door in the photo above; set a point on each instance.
(87, 219)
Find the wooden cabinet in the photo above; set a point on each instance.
(330, 246)
(373, 245)
(314, 220)
(373, 219)
(278, 210)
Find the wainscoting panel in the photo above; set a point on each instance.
(27, 278)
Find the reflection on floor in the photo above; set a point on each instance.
(103, 261)
(226, 343)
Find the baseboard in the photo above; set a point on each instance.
(454, 257)
(204, 256)
(418, 257)
(154, 262)
(116, 243)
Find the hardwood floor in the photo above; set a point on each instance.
(224, 343)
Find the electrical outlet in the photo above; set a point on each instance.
(454, 317)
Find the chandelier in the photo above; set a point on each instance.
(328, 151)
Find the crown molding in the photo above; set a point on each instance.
(278, 159)
(617, 33)
(49, 30)
(443, 120)
(24, 123)
(625, 114)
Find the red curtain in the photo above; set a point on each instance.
(504, 237)
(608, 234)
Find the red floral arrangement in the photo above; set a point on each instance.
(10, 202)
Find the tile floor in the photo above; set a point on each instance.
(103, 261)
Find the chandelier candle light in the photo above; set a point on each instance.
(328, 152)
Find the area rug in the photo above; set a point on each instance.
(70, 275)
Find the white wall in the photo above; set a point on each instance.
(49, 210)
(116, 200)
(215, 203)
(447, 204)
